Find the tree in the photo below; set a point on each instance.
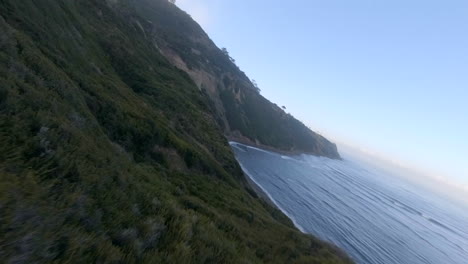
(255, 85)
(226, 53)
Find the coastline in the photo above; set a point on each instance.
(248, 142)
(265, 196)
(262, 193)
(259, 191)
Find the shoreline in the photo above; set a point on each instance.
(263, 194)
(250, 143)
(252, 184)
(259, 191)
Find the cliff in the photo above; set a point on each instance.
(240, 110)
(111, 154)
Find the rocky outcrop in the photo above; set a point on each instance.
(241, 111)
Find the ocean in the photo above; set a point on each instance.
(374, 216)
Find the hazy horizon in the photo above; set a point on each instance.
(387, 77)
(435, 182)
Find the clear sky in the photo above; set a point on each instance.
(389, 77)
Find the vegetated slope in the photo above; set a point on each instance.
(109, 153)
(242, 112)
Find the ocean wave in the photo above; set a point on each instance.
(373, 217)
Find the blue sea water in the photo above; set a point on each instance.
(371, 214)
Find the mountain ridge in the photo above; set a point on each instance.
(111, 154)
(242, 111)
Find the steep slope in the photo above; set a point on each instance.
(109, 153)
(242, 112)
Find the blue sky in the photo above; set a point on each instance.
(387, 77)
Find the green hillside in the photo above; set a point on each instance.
(111, 154)
(241, 111)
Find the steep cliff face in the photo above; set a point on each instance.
(110, 154)
(242, 112)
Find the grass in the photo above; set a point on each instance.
(109, 154)
(244, 111)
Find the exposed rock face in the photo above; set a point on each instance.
(111, 154)
(241, 111)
